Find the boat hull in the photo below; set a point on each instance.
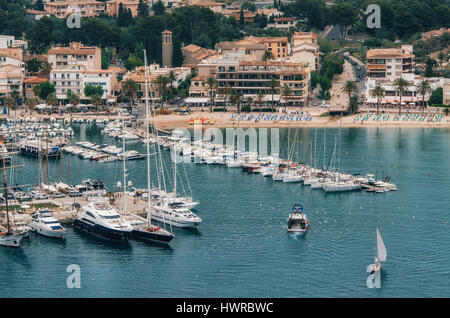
(152, 236)
(49, 233)
(184, 224)
(101, 231)
(11, 240)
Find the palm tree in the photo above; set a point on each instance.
(349, 88)
(273, 84)
(9, 102)
(226, 92)
(378, 92)
(424, 88)
(52, 100)
(401, 86)
(212, 84)
(31, 103)
(96, 100)
(249, 101)
(442, 57)
(162, 85)
(46, 68)
(286, 92)
(15, 96)
(130, 89)
(236, 99)
(171, 78)
(260, 98)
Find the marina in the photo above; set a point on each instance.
(243, 228)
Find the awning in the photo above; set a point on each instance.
(194, 100)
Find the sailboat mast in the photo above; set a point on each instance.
(147, 133)
(5, 184)
(124, 168)
(47, 155)
(68, 163)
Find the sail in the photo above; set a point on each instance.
(381, 248)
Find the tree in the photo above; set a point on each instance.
(225, 92)
(378, 92)
(44, 89)
(241, 18)
(442, 57)
(345, 15)
(236, 99)
(349, 88)
(162, 85)
(172, 77)
(46, 68)
(260, 98)
(39, 5)
(95, 93)
(9, 102)
(401, 86)
(430, 64)
(33, 66)
(72, 98)
(41, 34)
(31, 103)
(424, 88)
(158, 8)
(132, 62)
(212, 85)
(130, 89)
(436, 97)
(267, 56)
(143, 9)
(353, 104)
(273, 84)
(52, 100)
(286, 92)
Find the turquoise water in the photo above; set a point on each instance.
(242, 249)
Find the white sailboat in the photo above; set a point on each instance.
(381, 256)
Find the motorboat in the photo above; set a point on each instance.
(45, 224)
(297, 221)
(175, 215)
(100, 219)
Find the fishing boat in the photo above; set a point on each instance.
(101, 220)
(45, 224)
(381, 255)
(297, 221)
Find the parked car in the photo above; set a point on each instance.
(73, 194)
(37, 195)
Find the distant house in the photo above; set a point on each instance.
(284, 24)
(193, 54)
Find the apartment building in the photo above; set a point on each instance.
(87, 57)
(85, 8)
(250, 78)
(29, 84)
(384, 67)
(278, 46)
(112, 7)
(76, 79)
(154, 70)
(390, 64)
(304, 49)
(11, 79)
(446, 94)
(194, 54)
(251, 50)
(284, 24)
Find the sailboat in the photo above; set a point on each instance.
(381, 256)
(145, 230)
(9, 236)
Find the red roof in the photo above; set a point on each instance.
(34, 80)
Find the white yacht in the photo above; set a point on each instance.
(45, 224)
(175, 215)
(100, 219)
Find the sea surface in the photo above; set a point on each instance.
(242, 249)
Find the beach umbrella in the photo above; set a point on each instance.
(25, 206)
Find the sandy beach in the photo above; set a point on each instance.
(311, 117)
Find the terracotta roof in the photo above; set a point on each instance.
(199, 78)
(284, 19)
(384, 53)
(167, 32)
(191, 48)
(34, 80)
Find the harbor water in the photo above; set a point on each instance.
(242, 249)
